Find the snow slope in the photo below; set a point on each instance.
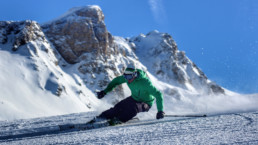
(26, 92)
(239, 128)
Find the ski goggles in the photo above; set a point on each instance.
(128, 76)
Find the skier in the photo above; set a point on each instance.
(141, 100)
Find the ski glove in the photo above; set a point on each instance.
(160, 115)
(101, 94)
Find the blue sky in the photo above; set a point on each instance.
(220, 36)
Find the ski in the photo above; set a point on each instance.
(93, 125)
(203, 115)
(83, 126)
(108, 123)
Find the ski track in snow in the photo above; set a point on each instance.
(239, 128)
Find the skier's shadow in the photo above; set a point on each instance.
(32, 133)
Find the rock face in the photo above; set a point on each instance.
(20, 33)
(82, 30)
(81, 37)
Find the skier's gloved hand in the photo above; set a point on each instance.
(160, 115)
(101, 94)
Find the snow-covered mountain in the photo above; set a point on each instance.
(32, 82)
(55, 68)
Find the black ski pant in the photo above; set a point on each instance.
(125, 109)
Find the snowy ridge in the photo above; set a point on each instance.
(171, 65)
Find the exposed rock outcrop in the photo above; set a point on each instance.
(81, 30)
(23, 32)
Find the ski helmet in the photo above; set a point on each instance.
(130, 69)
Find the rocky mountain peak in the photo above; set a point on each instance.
(155, 43)
(93, 12)
(80, 30)
(159, 53)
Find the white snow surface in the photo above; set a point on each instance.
(29, 82)
(237, 128)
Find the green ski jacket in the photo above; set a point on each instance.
(141, 88)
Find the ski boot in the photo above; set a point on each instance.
(114, 121)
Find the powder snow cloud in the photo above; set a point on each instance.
(158, 11)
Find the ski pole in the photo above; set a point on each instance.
(204, 115)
